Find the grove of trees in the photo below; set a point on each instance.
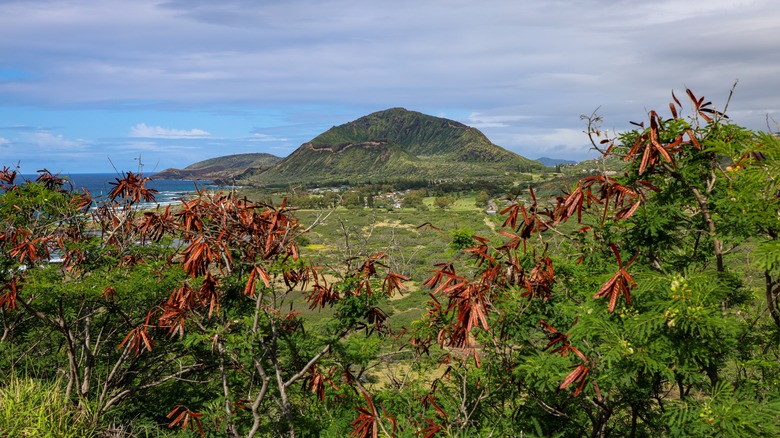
(638, 304)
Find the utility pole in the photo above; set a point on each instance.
(140, 164)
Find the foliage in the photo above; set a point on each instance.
(622, 307)
(461, 239)
(443, 201)
(414, 199)
(143, 299)
(482, 199)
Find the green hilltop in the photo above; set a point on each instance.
(393, 145)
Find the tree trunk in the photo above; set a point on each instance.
(600, 425)
(231, 427)
(716, 243)
(772, 292)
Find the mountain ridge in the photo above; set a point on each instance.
(393, 144)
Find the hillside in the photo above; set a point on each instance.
(392, 145)
(221, 168)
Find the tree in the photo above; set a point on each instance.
(414, 199)
(461, 239)
(330, 200)
(443, 201)
(236, 310)
(483, 197)
(143, 299)
(72, 316)
(352, 199)
(605, 311)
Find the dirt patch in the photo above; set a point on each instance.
(490, 224)
(394, 224)
(389, 224)
(316, 247)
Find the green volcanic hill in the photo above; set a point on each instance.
(393, 145)
(221, 168)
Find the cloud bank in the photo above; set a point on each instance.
(141, 130)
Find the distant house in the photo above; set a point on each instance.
(491, 207)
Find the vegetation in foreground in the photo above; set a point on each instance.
(637, 304)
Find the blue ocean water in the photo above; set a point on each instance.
(169, 191)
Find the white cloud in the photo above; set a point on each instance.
(46, 141)
(266, 138)
(144, 131)
(4, 141)
(481, 121)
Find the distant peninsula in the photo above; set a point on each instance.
(221, 168)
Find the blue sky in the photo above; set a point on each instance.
(84, 84)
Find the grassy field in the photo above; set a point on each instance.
(408, 237)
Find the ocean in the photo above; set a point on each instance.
(169, 191)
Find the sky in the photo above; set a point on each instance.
(91, 86)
